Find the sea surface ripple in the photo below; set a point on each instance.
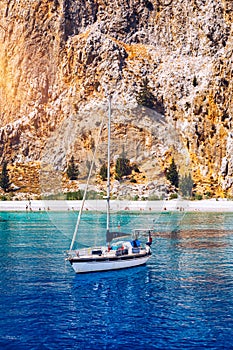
(182, 299)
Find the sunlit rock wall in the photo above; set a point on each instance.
(58, 59)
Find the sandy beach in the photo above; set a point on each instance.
(210, 205)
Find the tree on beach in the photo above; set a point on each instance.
(172, 174)
(122, 167)
(72, 170)
(186, 185)
(103, 172)
(4, 178)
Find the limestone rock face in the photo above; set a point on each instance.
(59, 58)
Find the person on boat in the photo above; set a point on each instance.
(149, 242)
(136, 243)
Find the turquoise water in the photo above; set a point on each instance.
(182, 299)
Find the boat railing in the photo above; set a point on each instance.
(84, 251)
(79, 252)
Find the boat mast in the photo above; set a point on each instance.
(108, 166)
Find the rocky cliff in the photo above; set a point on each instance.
(59, 58)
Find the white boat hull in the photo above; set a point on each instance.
(107, 265)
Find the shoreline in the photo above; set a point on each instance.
(204, 205)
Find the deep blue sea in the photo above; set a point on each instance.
(182, 299)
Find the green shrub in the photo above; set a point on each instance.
(173, 196)
(4, 178)
(103, 172)
(77, 195)
(208, 194)
(56, 196)
(154, 197)
(198, 196)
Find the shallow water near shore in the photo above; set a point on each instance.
(182, 299)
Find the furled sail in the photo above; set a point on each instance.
(112, 235)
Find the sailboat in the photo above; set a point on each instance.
(115, 254)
